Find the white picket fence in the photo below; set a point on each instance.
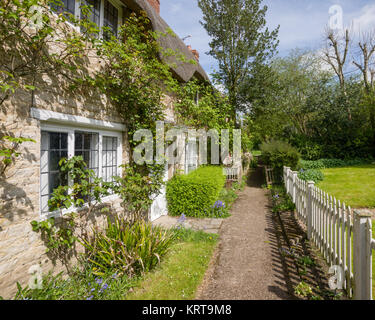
(343, 237)
(232, 173)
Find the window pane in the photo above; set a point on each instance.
(64, 6)
(54, 159)
(86, 145)
(94, 16)
(53, 147)
(54, 140)
(78, 144)
(109, 158)
(110, 18)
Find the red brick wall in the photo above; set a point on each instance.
(155, 4)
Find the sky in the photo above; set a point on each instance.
(302, 22)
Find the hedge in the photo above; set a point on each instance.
(277, 154)
(333, 163)
(196, 192)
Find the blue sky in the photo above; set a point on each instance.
(302, 22)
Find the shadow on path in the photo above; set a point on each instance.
(248, 264)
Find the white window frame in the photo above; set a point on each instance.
(77, 13)
(70, 130)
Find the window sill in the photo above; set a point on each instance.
(62, 213)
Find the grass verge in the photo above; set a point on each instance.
(176, 277)
(183, 269)
(353, 185)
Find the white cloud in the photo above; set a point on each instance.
(366, 20)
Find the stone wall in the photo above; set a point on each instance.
(20, 247)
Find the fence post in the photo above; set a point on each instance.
(310, 190)
(362, 263)
(286, 181)
(294, 173)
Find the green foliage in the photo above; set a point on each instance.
(189, 235)
(241, 43)
(128, 249)
(59, 240)
(9, 151)
(307, 107)
(311, 175)
(201, 106)
(82, 284)
(138, 190)
(25, 47)
(195, 193)
(133, 77)
(278, 154)
(303, 290)
(281, 201)
(333, 163)
(87, 189)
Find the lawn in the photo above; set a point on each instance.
(353, 185)
(373, 262)
(180, 274)
(176, 278)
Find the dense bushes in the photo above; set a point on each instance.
(278, 154)
(195, 193)
(311, 175)
(332, 163)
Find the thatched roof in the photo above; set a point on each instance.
(183, 71)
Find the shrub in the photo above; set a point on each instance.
(332, 163)
(281, 201)
(128, 249)
(195, 193)
(311, 175)
(278, 154)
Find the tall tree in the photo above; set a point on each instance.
(241, 42)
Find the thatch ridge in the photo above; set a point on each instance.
(183, 70)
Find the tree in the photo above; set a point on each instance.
(241, 42)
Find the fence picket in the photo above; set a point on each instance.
(331, 228)
(343, 243)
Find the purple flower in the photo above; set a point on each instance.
(219, 204)
(98, 280)
(181, 219)
(90, 298)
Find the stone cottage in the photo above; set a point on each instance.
(63, 125)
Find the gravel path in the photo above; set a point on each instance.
(247, 264)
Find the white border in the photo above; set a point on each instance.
(69, 119)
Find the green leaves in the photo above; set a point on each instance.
(59, 240)
(240, 43)
(127, 248)
(137, 188)
(86, 187)
(278, 153)
(195, 193)
(8, 150)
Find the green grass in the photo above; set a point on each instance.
(179, 276)
(373, 262)
(256, 153)
(353, 185)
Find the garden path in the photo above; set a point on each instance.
(247, 264)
